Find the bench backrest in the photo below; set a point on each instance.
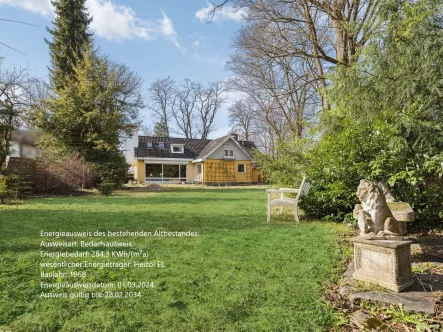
(304, 188)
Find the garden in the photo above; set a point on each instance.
(239, 274)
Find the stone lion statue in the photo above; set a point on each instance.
(376, 219)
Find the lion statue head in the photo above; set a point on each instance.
(370, 195)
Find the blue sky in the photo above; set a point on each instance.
(157, 39)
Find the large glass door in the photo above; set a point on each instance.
(166, 173)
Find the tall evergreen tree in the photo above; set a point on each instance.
(96, 107)
(161, 129)
(70, 36)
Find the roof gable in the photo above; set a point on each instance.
(192, 147)
(217, 143)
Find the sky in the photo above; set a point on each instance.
(157, 39)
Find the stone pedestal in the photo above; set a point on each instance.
(384, 262)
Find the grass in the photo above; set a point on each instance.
(240, 274)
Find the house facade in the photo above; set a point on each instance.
(224, 160)
(23, 144)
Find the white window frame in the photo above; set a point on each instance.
(227, 154)
(177, 146)
(244, 169)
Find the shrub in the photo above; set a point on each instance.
(3, 189)
(111, 167)
(14, 187)
(59, 171)
(287, 167)
(106, 188)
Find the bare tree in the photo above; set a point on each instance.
(326, 30)
(162, 94)
(196, 106)
(242, 118)
(282, 88)
(209, 101)
(321, 33)
(185, 107)
(17, 96)
(147, 130)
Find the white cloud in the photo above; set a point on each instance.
(111, 21)
(43, 7)
(224, 14)
(167, 30)
(116, 22)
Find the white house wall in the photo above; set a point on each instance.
(14, 149)
(127, 147)
(27, 151)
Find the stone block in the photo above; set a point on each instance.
(383, 262)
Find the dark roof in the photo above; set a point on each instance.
(249, 146)
(192, 147)
(210, 146)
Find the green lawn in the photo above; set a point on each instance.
(240, 274)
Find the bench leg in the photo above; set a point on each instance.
(296, 213)
(269, 213)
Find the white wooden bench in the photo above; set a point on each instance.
(288, 202)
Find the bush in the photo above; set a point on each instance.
(58, 171)
(111, 167)
(287, 167)
(3, 189)
(14, 187)
(106, 188)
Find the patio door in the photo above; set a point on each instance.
(170, 173)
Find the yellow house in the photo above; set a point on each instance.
(224, 160)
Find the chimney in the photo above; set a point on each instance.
(235, 136)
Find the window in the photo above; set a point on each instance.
(229, 153)
(177, 148)
(161, 145)
(153, 170)
(241, 168)
(149, 145)
(171, 171)
(166, 172)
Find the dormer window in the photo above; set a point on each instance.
(229, 153)
(161, 145)
(149, 145)
(177, 148)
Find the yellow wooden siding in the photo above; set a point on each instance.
(221, 171)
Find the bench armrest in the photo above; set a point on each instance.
(283, 190)
(288, 190)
